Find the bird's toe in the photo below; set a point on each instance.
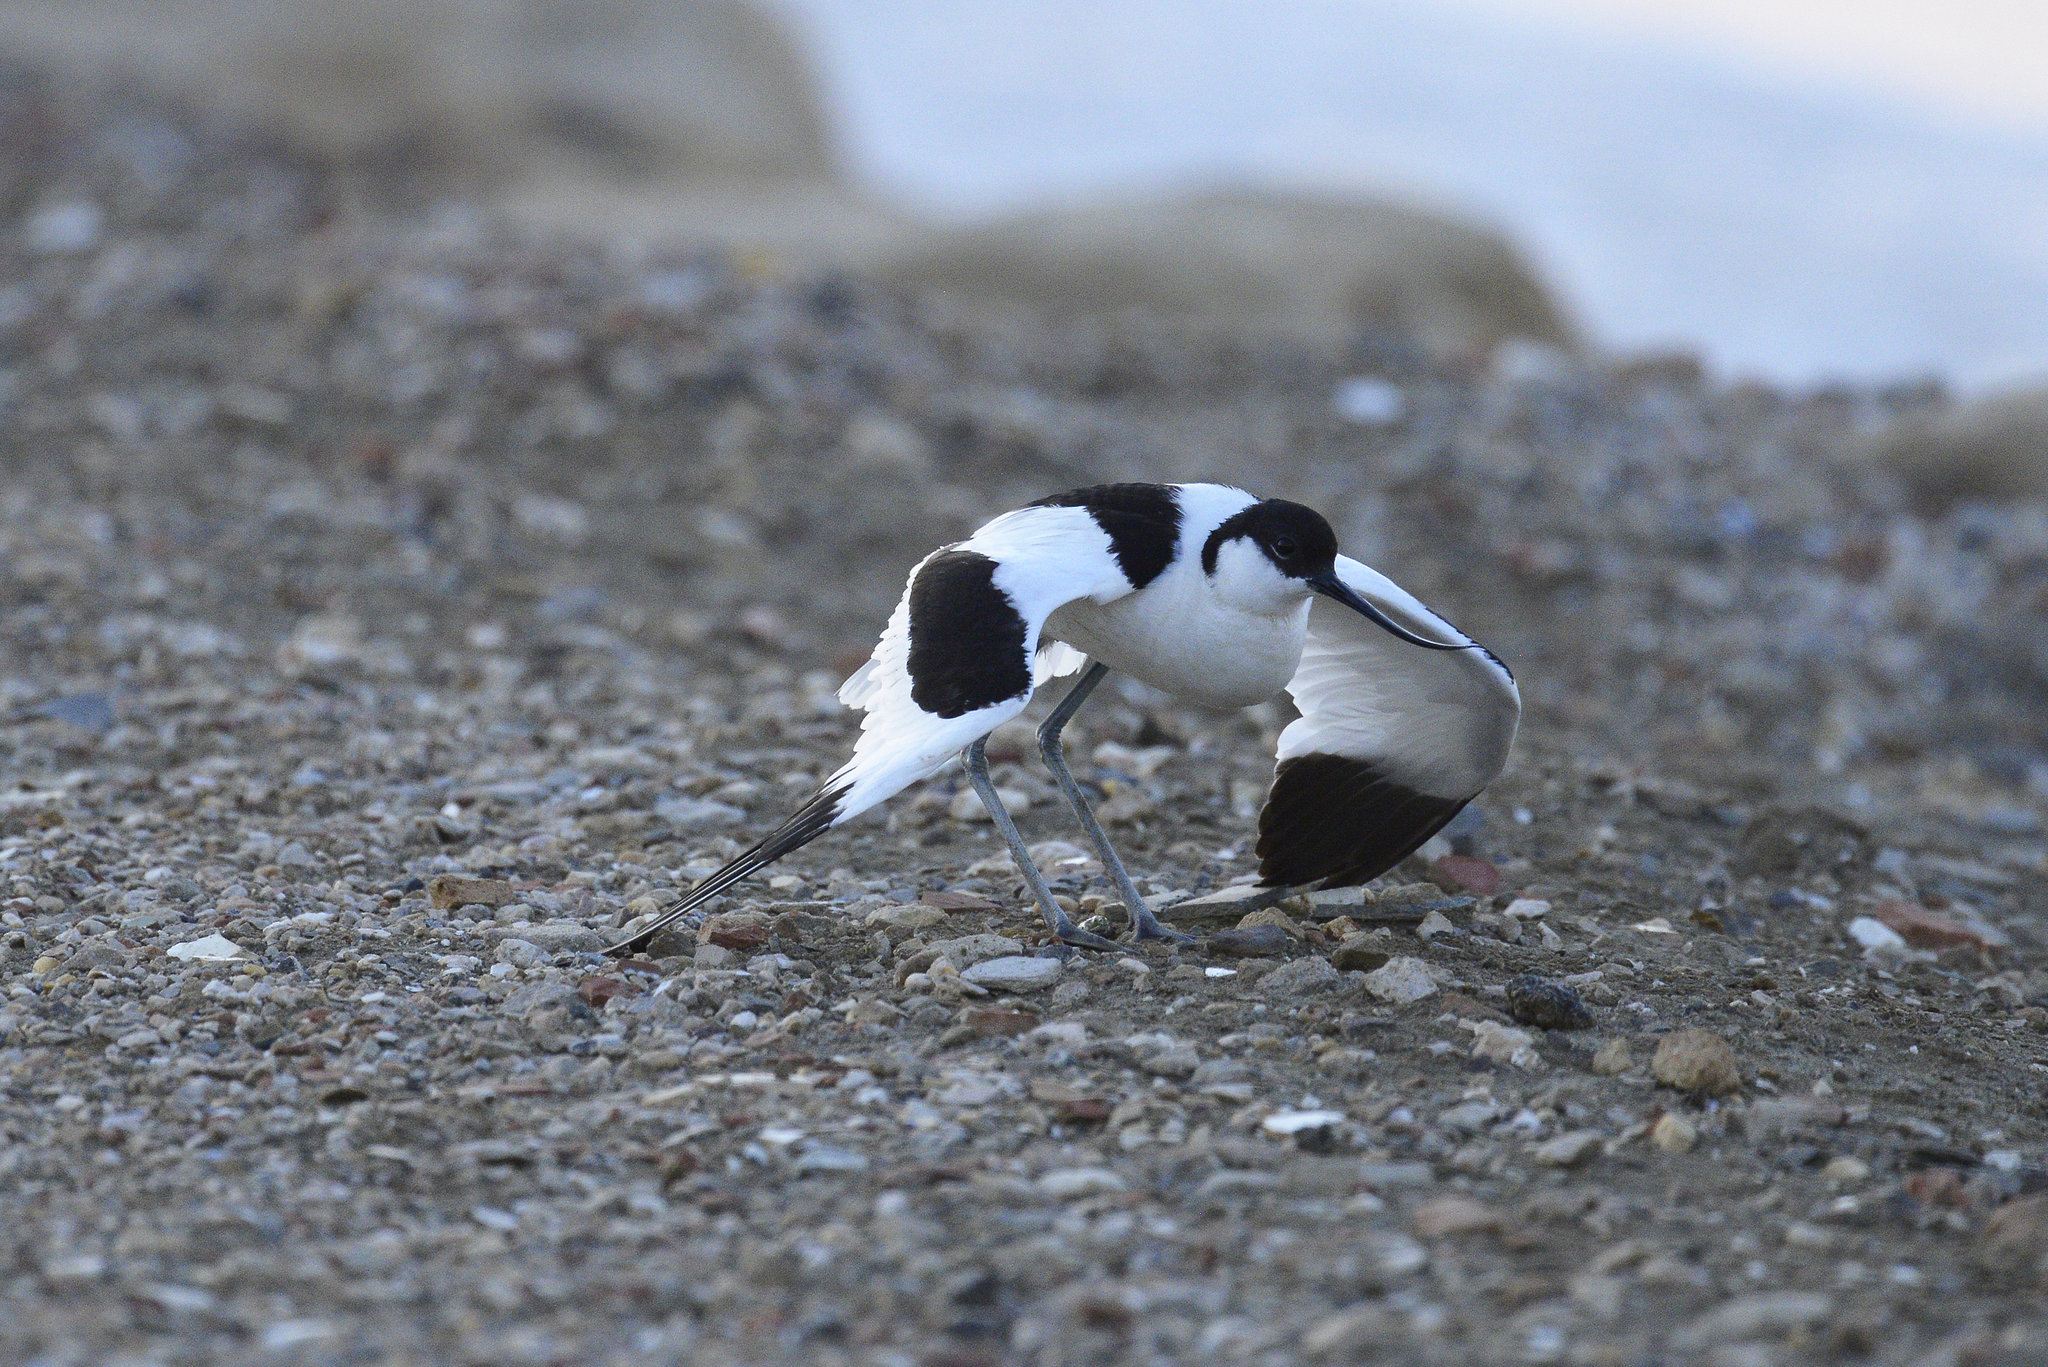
(1085, 939)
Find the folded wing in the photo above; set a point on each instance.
(1393, 738)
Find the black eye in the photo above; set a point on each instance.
(1284, 547)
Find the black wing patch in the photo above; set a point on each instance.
(1142, 521)
(1339, 822)
(966, 637)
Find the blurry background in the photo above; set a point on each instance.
(478, 436)
(1801, 191)
(1718, 310)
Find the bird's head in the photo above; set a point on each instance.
(1274, 555)
(1269, 557)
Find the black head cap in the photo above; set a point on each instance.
(1296, 539)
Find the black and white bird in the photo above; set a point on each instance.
(1211, 595)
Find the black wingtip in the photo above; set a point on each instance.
(1336, 821)
(806, 824)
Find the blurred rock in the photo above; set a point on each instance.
(1400, 980)
(1295, 262)
(1991, 448)
(1014, 973)
(1250, 942)
(1309, 973)
(711, 88)
(1613, 1058)
(1360, 953)
(1674, 1133)
(2015, 1243)
(664, 120)
(1548, 1005)
(1696, 1061)
(450, 890)
(1924, 929)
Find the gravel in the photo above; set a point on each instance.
(345, 559)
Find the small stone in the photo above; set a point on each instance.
(1369, 401)
(1527, 909)
(1350, 1335)
(1389, 1255)
(1178, 1063)
(65, 229)
(995, 1022)
(1287, 1124)
(1433, 925)
(947, 983)
(1359, 954)
(1503, 1044)
(1381, 1175)
(1067, 1183)
(1924, 929)
(1224, 902)
(1783, 1117)
(447, 891)
(596, 991)
(2015, 1243)
(1469, 1117)
(969, 950)
(45, 966)
(1696, 1061)
(1465, 873)
(1310, 973)
(1400, 980)
(1613, 1058)
(1445, 1217)
(210, 949)
(1567, 1150)
(823, 1158)
(743, 932)
(1799, 1234)
(520, 953)
(78, 1267)
(1272, 916)
(1674, 1133)
(1875, 936)
(1335, 902)
(1546, 1005)
(907, 918)
(556, 937)
(1252, 942)
(696, 813)
(1845, 1170)
(1753, 1316)
(966, 804)
(713, 956)
(1014, 973)
(957, 901)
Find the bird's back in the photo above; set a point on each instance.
(1174, 631)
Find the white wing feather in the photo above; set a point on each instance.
(1440, 722)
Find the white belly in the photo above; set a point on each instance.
(1188, 645)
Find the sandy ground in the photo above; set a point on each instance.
(339, 556)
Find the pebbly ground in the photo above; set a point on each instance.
(339, 555)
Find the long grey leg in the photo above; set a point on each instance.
(1063, 927)
(1142, 920)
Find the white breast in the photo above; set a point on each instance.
(1178, 636)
